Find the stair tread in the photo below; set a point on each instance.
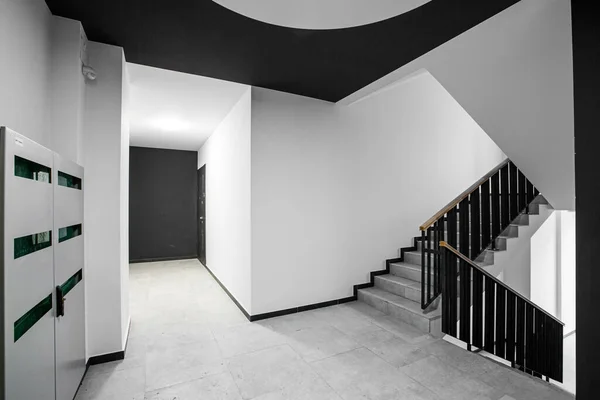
(403, 302)
(400, 280)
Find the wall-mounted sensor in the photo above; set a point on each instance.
(88, 72)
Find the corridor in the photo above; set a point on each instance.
(189, 341)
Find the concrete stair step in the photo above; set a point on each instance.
(399, 286)
(404, 309)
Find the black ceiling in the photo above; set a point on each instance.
(201, 37)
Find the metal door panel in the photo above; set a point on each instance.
(68, 260)
(29, 279)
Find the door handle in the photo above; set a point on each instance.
(60, 302)
(201, 218)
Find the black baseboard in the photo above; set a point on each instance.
(329, 303)
(156, 259)
(228, 293)
(109, 357)
(104, 358)
(294, 310)
(279, 313)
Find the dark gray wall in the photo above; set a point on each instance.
(586, 64)
(163, 191)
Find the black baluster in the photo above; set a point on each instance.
(542, 348)
(522, 192)
(445, 292)
(452, 227)
(500, 320)
(475, 224)
(504, 199)
(477, 309)
(520, 338)
(490, 295)
(513, 192)
(485, 215)
(496, 205)
(530, 194)
(560, 345)
(453, 295)
(530, 361)
(424, 245)
(463, 226)
(428, 262)
(436, 250)
(465, 302)
(510, 326)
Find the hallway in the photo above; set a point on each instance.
(188, 341)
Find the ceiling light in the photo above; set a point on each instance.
(171, 124)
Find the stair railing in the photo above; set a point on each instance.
(481, 311)
(472, 221)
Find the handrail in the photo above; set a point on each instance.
(462, 196)
(496, 280)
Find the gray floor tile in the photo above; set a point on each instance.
(183, 363)
(116, 384)
(214, 387)
(398, 352)
(448, 381)
(360, 374)
(277, 372)
(320, 342)
(246, 338)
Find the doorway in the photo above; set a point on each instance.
(202, 215)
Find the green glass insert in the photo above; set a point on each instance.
(31, 243)
(71, 282)
(32, 170)
(69, 232)
(69, 181)
(31, 317)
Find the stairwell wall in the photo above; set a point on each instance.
(514, 75)
(337, 190)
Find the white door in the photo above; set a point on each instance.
(27, 276)
(68, 276)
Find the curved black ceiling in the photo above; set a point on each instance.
(201, 37)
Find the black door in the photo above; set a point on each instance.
(202, 215)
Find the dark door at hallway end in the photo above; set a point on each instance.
(202, 215)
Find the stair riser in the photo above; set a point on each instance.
(418, 321)
(408, 292)
(403, 272)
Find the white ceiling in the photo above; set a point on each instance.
(321, 14)
(173, 110)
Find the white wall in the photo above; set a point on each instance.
(544, 266)
(514, 75)
(25, 43)
(67, 89)
(103, 145)
(227, 157)
(567, 270)
(553, 267)
(124, 201)
(337, 190)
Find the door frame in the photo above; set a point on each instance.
(201, 219)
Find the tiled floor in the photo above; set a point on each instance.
(189, 341)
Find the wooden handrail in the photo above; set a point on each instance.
(462, 196)
(496, 280)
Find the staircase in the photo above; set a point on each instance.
(398, 293)
(454, 258)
